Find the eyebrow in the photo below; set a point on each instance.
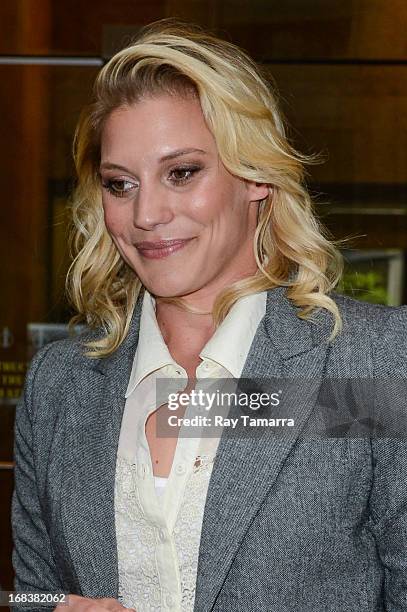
(172, 155)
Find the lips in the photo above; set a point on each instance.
(161, 244)
(162, 248)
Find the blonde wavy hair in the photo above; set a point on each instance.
(240, 108)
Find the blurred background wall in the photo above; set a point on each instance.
(341, 69)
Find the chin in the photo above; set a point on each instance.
(165, 288)
(170, 280)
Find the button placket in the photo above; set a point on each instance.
(142, 471)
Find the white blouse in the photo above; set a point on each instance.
(159, 520)
(159, 483)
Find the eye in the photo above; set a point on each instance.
(182, 175)
(118, 187)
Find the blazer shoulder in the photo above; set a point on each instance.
(357, 314)
(376, 330)
(65, 351)
(54, 363)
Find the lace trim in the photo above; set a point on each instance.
(139, 583)
(187, 530)
(136, 539)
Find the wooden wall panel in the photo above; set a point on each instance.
(69, 91)
(75, 26)
(23, 183)
(25, 26)
(40, 115)
(23, 161)
(6, 488)
(300, 29)
(6, 432)
(267, 28)
(368, 231)
(355, 114)
(78, 26)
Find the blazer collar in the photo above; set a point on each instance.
(118, 365)
(289, 334)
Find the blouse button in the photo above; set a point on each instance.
(169, 600)
(180, 468)
(161, 535)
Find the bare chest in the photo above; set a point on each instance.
(162, 449)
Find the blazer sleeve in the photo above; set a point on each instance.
(388, 498)
(34, 566)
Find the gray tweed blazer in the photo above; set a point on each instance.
(291, 523)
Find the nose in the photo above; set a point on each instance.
(151, 207)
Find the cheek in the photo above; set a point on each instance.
(209, 205)
(114, 219)
(223, 208)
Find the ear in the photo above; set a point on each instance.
(258, 191)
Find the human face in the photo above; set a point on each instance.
(162, 179)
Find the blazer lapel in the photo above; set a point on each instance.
(246, 466)
(93, 420)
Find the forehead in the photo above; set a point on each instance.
(156, 126)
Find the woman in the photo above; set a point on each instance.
(199, 258)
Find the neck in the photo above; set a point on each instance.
(184, 332)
